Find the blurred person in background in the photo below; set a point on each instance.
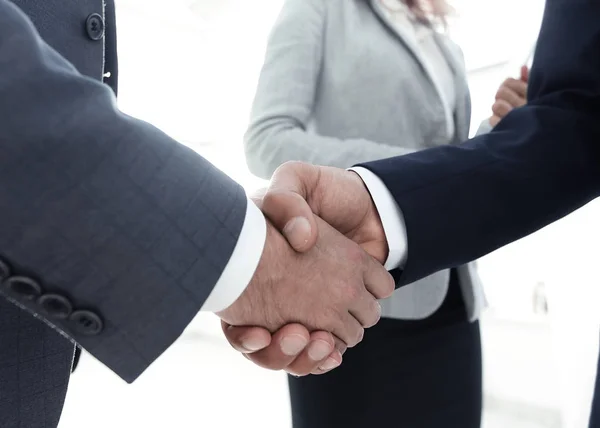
(351, 81)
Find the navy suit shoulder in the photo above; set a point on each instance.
(538, 165)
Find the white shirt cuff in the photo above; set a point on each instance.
(391, 218)
(242, 264)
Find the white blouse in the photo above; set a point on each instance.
(423, 37)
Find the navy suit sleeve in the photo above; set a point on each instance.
(539, 164)
(110, 231)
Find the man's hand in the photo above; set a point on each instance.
(297, 192)
(292, 348)
(333, 287)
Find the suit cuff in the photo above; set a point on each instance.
(391, 218)
(243, 262)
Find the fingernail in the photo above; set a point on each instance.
(253, 344)
(297, 231)
(330, 364)
(293, 344)
(319, 350)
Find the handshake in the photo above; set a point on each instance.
(321, 272)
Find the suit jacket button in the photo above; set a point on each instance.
(86, 323)
(55, 306)
(23, 287)
(4, 271)
(94, 26)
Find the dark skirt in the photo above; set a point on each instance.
(405, 374)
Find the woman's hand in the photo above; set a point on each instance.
(511, 94)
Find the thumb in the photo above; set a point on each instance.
(285, 204)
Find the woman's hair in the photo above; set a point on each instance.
(437, 10)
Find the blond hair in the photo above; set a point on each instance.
(430, 10)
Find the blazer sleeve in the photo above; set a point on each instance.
(539, 164)
(285, 96)
(110, 231)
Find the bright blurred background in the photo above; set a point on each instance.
(190, 67)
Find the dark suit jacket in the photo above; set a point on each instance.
(105, 221)
(539, 164)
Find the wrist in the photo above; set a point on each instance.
(375, 241)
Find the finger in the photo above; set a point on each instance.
(287, 344)
(494, 120)
(366, 310)
(285, 204)
(246, 339)
(258, 195)
(510, 96)
(525, 73)
(334, 361)
(340, 345)
(349, 329)
(501, 108)
(517, 86)
(377, 279)
(319, 349)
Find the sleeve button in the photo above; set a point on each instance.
(23, 287)
(86, 323)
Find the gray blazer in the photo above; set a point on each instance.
(341, 86)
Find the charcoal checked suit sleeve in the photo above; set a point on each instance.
(110, 231)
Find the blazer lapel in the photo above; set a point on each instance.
(455, 60)
(461, 114)
(404, 36)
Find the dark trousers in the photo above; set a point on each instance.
(35, 364)
(405, 374)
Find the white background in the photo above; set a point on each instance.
(190, 67)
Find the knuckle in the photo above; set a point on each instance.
(289, 166)
(331, 319)
(355, 255)
(268, 198)
(347, 333)
(503, 93)
(500, 108)
(351, 292)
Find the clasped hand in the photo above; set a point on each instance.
(316, 286)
